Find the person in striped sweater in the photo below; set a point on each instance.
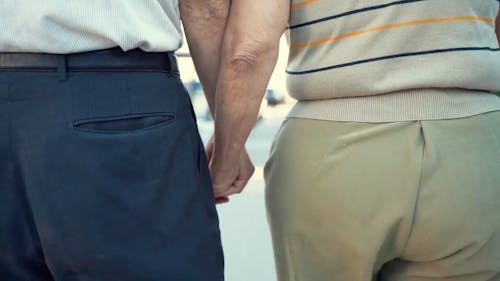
(387, 166)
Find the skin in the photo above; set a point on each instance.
(204, 25)
(249, 54)
(234, 55)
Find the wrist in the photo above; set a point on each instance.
(224, 165)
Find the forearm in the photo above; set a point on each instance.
(204, 25)
(250, 51)
(241, 87)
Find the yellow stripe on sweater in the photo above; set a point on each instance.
(386, 27)
(303, 3)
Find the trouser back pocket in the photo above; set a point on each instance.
(124, 124)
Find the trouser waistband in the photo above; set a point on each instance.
(113, 59)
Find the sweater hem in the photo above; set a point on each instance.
(410, 105)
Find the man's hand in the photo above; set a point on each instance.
(228, 179)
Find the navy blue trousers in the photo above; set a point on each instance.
(103, 178)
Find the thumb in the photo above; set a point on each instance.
(209, 151)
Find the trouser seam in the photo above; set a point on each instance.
(417, 193)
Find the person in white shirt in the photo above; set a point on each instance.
(102, 174)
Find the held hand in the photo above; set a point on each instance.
(228, 178)
(231, 179)
(209, 150)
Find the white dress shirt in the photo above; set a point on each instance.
(71, 26)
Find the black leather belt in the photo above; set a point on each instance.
(109, 59)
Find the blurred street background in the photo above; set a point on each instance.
(245, 232)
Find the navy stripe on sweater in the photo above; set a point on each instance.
(392, 57)
(355, 12)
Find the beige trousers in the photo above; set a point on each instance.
(402, 201)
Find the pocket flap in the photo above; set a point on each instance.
(126, 123)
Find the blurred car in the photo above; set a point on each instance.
(273, 98)
(200, 105)
(193, 87)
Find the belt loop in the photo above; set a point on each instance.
(172, 61)
(62, 66)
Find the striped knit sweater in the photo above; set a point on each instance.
(378, 61)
